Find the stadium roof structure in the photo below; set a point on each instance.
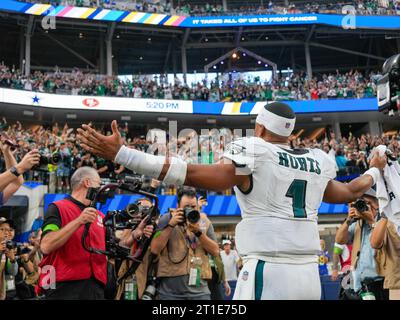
(140, 48)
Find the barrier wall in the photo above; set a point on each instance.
(217, 205)
(99, 14)
(94, 103)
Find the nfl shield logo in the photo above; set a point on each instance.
(287, 125)
(245, 276)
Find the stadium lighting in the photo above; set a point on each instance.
(222, 62)
(259, 62)
(118, 36)
(242, 38)
(244, 54)
(266, 38)
(206, 40)
(266, 65)
(149, 39)
(234, 56)
(205, 59)
(215, 67)
(80, 35)
(140, 58)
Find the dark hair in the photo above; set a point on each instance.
(186, 191)
(280, 109)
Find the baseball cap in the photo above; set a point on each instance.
(370, 192)
(224, 242)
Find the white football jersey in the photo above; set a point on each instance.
(280, 210)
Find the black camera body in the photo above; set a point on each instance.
(388, 90)
(11, 245)
(21, 249)
(53, 159)
(360, 205)
(191, 215)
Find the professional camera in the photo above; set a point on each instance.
(53, 159)
(21, 249)
(128, 218)
(151, 289)
(389, 86)
(360, 205)
(11, 245)
(193, 216)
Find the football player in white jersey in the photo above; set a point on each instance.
(279, 191)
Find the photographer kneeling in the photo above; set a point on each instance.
(184, 239)
(68, 270)
(365, 262)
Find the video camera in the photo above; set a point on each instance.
(389, 86)
(129, 218)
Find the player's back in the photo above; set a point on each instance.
(280, 210)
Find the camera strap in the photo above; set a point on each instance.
(192, 243)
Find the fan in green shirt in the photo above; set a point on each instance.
(101, 90)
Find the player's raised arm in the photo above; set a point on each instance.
(218, 177)
(337, 192)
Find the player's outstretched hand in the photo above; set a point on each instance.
(106, 147)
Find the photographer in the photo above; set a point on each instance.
(130, 239)
(63, 168)
(12, 180)
(385, 239)
(183, 240)
(29, 257)
(8, 263)
(78, 273)
(365, 262)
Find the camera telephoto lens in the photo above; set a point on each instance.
(360, 205)
(193, 216)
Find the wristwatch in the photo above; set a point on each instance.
(14, 171)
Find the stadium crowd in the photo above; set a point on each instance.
(59, 143)
(352, 84)
(362, 7)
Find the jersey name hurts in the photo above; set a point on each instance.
(300, 163)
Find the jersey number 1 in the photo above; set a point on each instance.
(297, 191)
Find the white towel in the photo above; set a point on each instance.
(388, 188)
